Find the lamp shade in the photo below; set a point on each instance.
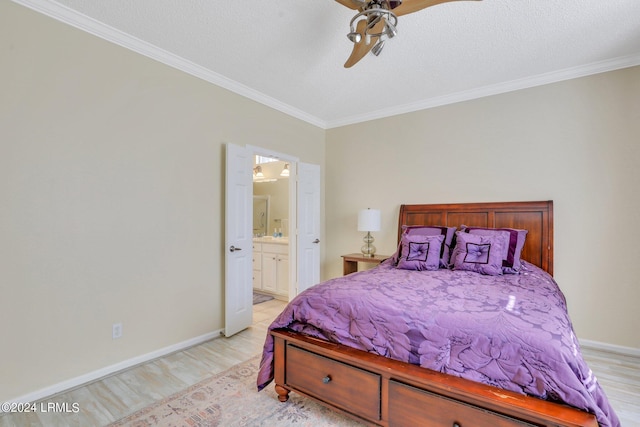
(369, 220)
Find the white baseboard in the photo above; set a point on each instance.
(100, 373)
(612, 348)
(108, 370)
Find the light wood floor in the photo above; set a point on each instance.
(118, 395)
(619, 376)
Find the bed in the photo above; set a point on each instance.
(439, 346)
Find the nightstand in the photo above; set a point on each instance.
(350, 261)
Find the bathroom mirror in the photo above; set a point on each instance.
(260, 215)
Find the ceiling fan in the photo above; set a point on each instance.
(376, 21)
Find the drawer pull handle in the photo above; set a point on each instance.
(326, 379)
(455, 424)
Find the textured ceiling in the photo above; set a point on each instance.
(289, 54)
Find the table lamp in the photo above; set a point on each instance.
(368, 220)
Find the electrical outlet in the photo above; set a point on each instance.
(116, 330)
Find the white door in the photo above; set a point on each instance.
(308, 200)
(238, 262)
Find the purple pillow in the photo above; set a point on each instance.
(430, 230)
(482, 254)
(420, 252)
(511, 253)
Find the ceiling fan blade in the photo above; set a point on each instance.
(361, 48)
(352, 4)
(410, 6)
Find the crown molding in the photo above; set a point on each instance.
(75, 19)
(99, 29)
(496, 89)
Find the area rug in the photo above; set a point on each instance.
(230, 398)
(258, 298)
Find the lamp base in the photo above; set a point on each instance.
(368, 249)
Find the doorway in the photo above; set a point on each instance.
(272, 260)
(299, 263)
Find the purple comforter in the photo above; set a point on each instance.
(511, 331)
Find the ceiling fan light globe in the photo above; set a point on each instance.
(354, 37)
(391, 30)
(378, 48)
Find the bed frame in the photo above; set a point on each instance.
(380, 391)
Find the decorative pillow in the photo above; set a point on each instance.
(482, 254)
(420, 252)
(511, 252)
(434, 230)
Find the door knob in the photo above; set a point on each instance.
(316, 241)
(233, 249)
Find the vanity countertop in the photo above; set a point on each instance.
(271, 239)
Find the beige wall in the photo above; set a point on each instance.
(575, 142)
(111, 197)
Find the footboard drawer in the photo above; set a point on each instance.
(344, 386)
(410, 406)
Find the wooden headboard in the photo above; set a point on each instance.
(537, 217)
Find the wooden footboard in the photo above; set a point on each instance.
(380, 391)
